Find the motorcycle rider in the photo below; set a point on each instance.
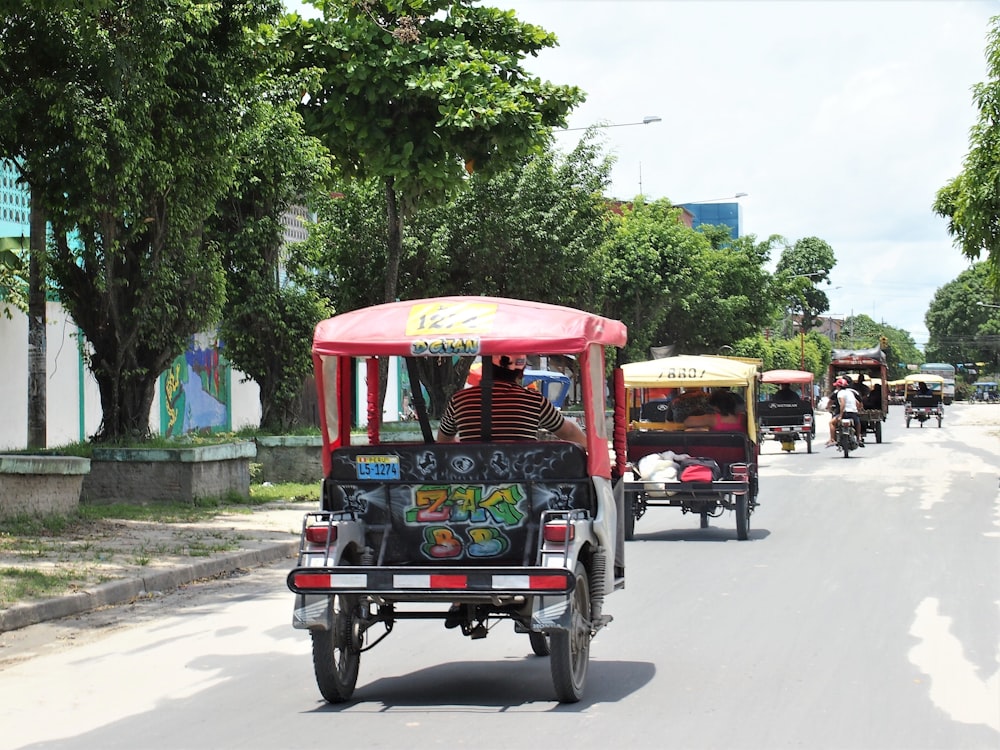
(848, 405)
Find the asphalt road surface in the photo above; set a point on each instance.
(863, 612)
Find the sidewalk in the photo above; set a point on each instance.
(119, 561)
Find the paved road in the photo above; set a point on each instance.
(863, 612)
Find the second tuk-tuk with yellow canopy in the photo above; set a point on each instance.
(659, 451)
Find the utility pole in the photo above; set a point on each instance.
(37, 438)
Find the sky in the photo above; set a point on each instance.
(839, 119)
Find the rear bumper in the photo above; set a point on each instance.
(431, 583)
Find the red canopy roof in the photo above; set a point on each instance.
(446, 326)
(787, 376)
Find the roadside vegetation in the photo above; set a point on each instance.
(54, 555)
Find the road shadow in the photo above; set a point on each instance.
(494, 685)
(711, 534)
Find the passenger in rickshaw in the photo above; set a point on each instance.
(691, 402)
(845, 403)
(785, 394)
(722, 414)
(516, 413)
(924, 396)
(874, 398)
(860, 387)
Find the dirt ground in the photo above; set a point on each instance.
(100, 551)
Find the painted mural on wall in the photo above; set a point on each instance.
(195, 393)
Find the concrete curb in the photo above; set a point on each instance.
(126, 589)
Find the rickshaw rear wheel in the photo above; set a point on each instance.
(571, 648)
(540, 645)
(878, 432)
(703, 522)
(743, 517)
(629, 511)
(337, 651)
(809, 442)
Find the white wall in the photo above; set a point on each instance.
(73, 402)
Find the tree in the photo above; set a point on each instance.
(971, 201)
(267, 321)
(961, 330)
(865, 333)
(800, 268)
(409, 91)
(128, 168)
(678, 286)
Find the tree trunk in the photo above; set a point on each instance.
(37, 437)
(125, 402)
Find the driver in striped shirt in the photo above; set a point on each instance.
(516, 413)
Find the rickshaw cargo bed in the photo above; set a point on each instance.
(439, 580)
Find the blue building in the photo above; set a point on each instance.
(728, 214)
(14, 203)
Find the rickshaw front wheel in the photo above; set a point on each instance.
(571, 647)
(540, 645)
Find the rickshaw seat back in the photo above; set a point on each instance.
(457, 502)
(725, 447)
(783, 413)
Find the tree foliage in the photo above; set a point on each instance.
(971, 200)
(416, 93)
(267, 322)
(674, 287)
(961, 329)
(528, 232)
(125, 121)
(800, 268)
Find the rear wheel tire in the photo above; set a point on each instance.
(703, 520)
(337, 652)
(809, 442)
(743, 517)
(878, 432)
(629, 517)
(571, 648)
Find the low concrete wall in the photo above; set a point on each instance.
(290, 458)
(41, 485)
(140, 475)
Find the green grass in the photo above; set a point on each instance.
(18, 585)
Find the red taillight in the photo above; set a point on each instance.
(321, 534)
(559, 533)
(740, 472)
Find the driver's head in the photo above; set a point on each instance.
(840, 383)
(509, 367)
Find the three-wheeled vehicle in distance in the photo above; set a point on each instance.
(523, 531)
(652, 482)
(925, 403)
(787, 416)
(870, 364)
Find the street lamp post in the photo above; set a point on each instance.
(647, 120)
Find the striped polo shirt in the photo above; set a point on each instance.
(518, 413)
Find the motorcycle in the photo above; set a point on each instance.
(847, 437)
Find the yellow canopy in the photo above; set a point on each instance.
(923, 379)
(689, 371)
